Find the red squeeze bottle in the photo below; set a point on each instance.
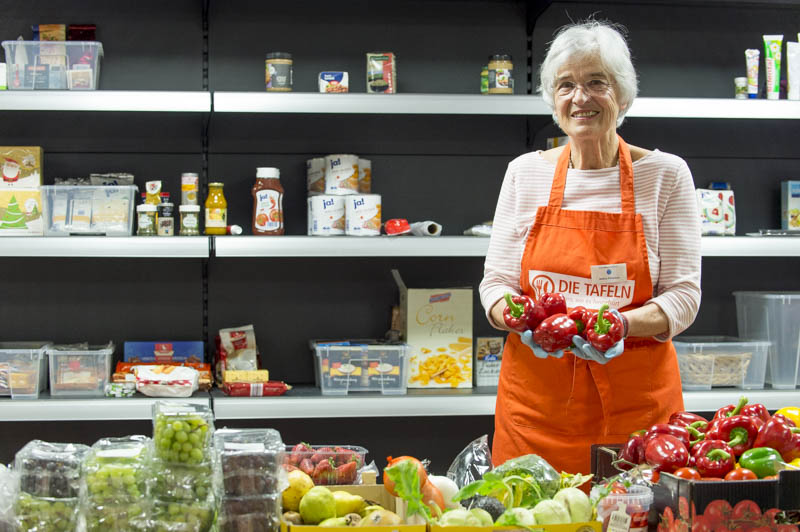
(268, 202)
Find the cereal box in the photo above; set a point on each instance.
(488, 357)
(21, 166)
(21, 212)
(790, 205)
(437, 324)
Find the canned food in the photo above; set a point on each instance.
(315, 175)
(364, 176)
(341, 174)
(363, 215)
(326, 215)
(189, 187)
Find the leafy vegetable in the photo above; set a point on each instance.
(406, 485)
(519, 482)
(569, 480)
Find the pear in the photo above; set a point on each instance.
(369, 509)
(381, 517)
(348, 503)
(299, 485)
(333, 521)
(317, 505)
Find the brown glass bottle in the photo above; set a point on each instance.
(267, 202)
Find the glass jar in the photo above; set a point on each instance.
(166, 221)
(189, 187)
(485, 80)
(146, 220)
(216, 210)
(279, 72)
(501, 74)
(190, 220)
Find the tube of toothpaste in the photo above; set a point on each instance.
(793, 70)
(772, 63)
(751, 58)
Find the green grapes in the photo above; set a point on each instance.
(182, 517)
(184, 440)
(46, 515)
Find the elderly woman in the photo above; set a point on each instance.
(575, 220)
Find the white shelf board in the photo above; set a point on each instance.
(713, 108)
(355, 103)
(48, 408)
(352, 246)
(750, 246)
(105, 246)
(161, 101)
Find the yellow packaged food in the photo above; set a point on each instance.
(258, 375)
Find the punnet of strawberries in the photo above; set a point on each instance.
(326, 464)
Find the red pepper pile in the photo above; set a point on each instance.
(553, 326)
(710, 448)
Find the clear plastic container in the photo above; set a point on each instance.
(261, 514)
(183, 516)
(130, 517)
(116, 472)
(36, 514)
(80, 371)
(88, 210)
(181, 482)
(360, 366)
(714, 361)
(51, 470)
(304, 456)
(774, 317)
(53, 65)
(23, 369)
(637, 503)
(182, 432)
(249, 462)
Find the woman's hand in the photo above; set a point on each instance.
(497, 315)
(647, 321)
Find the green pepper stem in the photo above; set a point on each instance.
(735, 411)
(739, 436)
(602, 325)
(717, 454)
(515, 309)
(795, 430)
(698, 424)
(694, 432)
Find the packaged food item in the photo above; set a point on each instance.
(333, 82)
(279, 72)
(740, 88)
(190, 220)
(485, 79)
(364, 365)
(9, 491)
(501, 74)
(45, 514)
(793, 70)
(773, 44)
(21, 212)
(146, 219)
(166, 220)
(346, 460)
(124, 372)
(178, 482)
(341, 174)
(153, 190)
(250, 462)
(267, 202)
(364, 176)
(315, 175)
(190, 185)
(262, 514)
(259, 375)
(3, 77)
(81, 32)
(50, 470)
(381, 72)
(717, 212)
(23, 369)
(216, 210)
(488, 358)
(120, 389)
(255, 389)
(363, 215)
(166, 381)
(79, 369)
(163, 352)
(125, 458)
(183, 516)
(237, 350)
(182, 432)
(790, 205)
(326, 215)
(22, 166)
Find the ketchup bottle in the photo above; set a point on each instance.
(268, 202)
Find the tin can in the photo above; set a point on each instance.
(189, 187)
(363, 215)
(341, 174)
(326, 215)
(364, 176)
(315, 175)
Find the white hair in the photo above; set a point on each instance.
(591, 39)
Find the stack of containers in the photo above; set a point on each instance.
(50, 478)
(339, 198)
(181, 494)
(249, 479)
(114, 487)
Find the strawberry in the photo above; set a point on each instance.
(299, 451)
(346, 473)
(344, 456)
(307, 466)
(289, 468)
(324, 473)
(323, 453)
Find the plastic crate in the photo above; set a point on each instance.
(88, 210)
(80, 371)
(360, 366)
(23, 369)
(774, 317)
(53, 65)
(714, 361)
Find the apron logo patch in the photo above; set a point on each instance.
(582, 290)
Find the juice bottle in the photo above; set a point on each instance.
(268, 202)
(216, 210)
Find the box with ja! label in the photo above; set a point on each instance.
(790, 205)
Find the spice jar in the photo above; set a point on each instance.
(279, 72)
(216, 210)
(166, 221)
(190, 220)
(501, 78)
(146, 219)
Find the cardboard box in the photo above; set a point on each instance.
(164, 352)
(717, 212)
(488, 359)
(437, 324)
(21, 166)
(790, 205)
(21, 212)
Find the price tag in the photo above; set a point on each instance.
(619, 521)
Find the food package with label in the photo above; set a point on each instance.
(85, 209)
(237, 350)
(21, 212)
(188, 424)
(124, 372)
(164, 352)
(80, 369)
(21, 166)
(333, 82)
(437, 324)
(381, 72)
(50, 470)
(790, 205)
(717, 212)
(166, 381)
(109, 458)
(258, 375)
(488, 358)
(249, 463)
(255, 389)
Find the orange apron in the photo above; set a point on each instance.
(557, 408)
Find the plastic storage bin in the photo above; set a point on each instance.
(23, 369)
(775, 317)
(88, 210)
(80, 371)
(711, 361)
(54, 65)
(360, 366)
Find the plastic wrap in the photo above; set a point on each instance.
(307, 458)
(131, 517)
(9, 490)
(249, 462)
(182, 432)
(116, 471)
(180, 482)
(471, 463)
(46, 514)
(166, 381)
(261, 514)
(50, 470)
(188, 516)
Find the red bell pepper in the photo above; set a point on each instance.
(730, 410)
(665, 428)
(713, 458)
(739, 432)
(666, 453)
(603, 330)
(757, 411)
(580, 315)
(633, 451)
(683, 419)
(552, 303)
(517, 312)
(555, 333)
(778, 435)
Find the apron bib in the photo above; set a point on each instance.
(558, 408)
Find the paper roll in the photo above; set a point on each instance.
(426, 228)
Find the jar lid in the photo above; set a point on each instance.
(189, 174)
(147, 207)
(279, 55)
(267, 172)
(216, 184)
(189, 208)
(499, 57)
(165, 208)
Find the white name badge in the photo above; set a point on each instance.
(610, 273)
(582, 291)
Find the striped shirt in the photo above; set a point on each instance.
(665, 197)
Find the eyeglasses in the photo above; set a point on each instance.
(594, 87)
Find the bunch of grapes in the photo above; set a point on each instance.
(117, 518)
(182, 517)
(182, 438)
(110, 483)
(181, 482)
(46, 515)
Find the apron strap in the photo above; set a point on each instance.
(625, 178)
